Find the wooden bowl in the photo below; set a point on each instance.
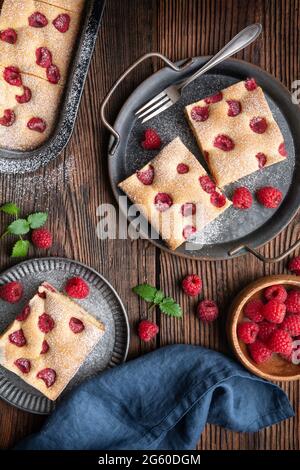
(276, 368)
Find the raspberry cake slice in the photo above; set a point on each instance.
(49, 340)
(236, 132)
(175, 194)
(71, 5)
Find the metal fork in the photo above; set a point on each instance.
(172, 94)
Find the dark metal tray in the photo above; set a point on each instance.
(17, 161)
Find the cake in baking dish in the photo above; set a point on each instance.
(49, 340)
(236, 132)
(175, 194)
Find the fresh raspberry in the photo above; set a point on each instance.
(17, 338)
(265, 330)
(9, 35)
(188, 231)
(276, 293)
(258, 124)
(192, 285)
(262, 159)
(12, 76)
(242, 198)
(207, 184)
(37, 124)
(24, 314)
(147, 330)
(282, 150)
(274, 311)
(48, 376)
(182, 168)
(43, 57)
(46, 323)
(252, 310)
(151, 140)
(247, 332)
(234, 108)
(45, 347)
(76, 325)
(207, 310)
(223, 142)
(294, 265)
(291, 324)
(200, 113)
(280, 342)
(250, 84)
(259, 352)
(62, 22)
(11, 292)
(26, 97)
(146, 176)
(269, 197)
(217, 199)
(163, 202)
(41, 238)
(214, 98)
(53, 74)
(23, 365)
(37, 20)
(187, 209)
(292, 302)
(77, 288)
(8, 118)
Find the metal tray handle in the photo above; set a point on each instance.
(275, 259)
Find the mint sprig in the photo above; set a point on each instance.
(157, 297)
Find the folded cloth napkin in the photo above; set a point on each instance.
(161, 401)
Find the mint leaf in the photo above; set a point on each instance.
(19, 227)
(10, 208)
(145, 291)
(37, 220)
(20, 249)
(170, 307)
(159, 296)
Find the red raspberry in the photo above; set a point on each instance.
(247, 332)
(265, 330)
(147, 330)
(146, 176)
(188, 231)
(252, 310)
(258, 125)
(41, 238)
(163, 201)
(76, 325)
(182, 168)
(45, 347)
(223, 142)
(292, 302)
(8, 118)
(11, 292)
(188, 209)
(242, 198)
(291, 324)
(259, 352)
(62, 22)
(217, 199)
(208, 311)
(37, 20)
(46, 323)
(9, 35)
(48, 376)
(282, 150)
(234, 108)
(214, 98)
(151, 140)
(37, 124)
(262, 159)
(17, 338)
(24, 314)
(207, 184)
(43, 57)
(53, 74)
(280, 342)
(26, 97)
(294, 265)
(250, 84)
(192, 285)
(269, 197)
(23, 364)
(274, 311)
(276, 293)
(77, 288)
(200, 113)
(12, 76)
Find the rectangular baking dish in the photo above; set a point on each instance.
(18, 161)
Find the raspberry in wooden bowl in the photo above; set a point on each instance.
(263, 327)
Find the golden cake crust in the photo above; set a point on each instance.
(71, 5)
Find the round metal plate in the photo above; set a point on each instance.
(233, 228)
(103, 302)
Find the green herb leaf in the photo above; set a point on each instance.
(37, 220)
(159, 296)
(145, 291)
(170, 307)
(19, 227)
(10, 208)
(20, 249)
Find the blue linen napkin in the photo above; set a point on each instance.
(162, 401)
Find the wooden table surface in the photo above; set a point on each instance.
(73, 186)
